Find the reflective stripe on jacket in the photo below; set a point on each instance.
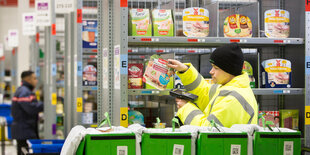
(232, 103)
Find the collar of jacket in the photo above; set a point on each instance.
(240, 81)
(26, 84)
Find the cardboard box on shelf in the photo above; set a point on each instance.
(289, 118)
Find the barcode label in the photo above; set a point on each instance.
(288, 148)
(122, 150)
(235, 150)
(178, 149)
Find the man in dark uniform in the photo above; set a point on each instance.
(25, 109)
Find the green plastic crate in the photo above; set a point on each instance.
(107, 144)
(166, 143)
(271, 143)
(222, 143)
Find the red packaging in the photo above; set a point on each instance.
(135, 74)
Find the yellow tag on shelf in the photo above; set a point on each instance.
(94, 125)
(79, 104)
(307, 115)
(124, 116)
(54, 98)
(13, 89)
(3, 85)
(38, 95)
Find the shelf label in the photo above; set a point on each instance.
(160, 51)
(13, 89)
(29, 26)
(38, 71)
(307, 63)
(278, 41)
(192, 40)
(53, 29)
(191, 51)
(278, 91)
(54, 69)
(13, 38)
(146, 39)
(38, 37)
(38, 95)
(64, 6)
(124, 64)
(79, 104)
(124, 3)
(54, 98)
(307, 115)
(234, 40)
(79, 15)
(79, 68)
(95, 51)
(117, 67)
(1, 49)
(124, 116)
(43, 12)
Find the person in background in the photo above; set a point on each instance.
(25, 109)
(227, 102)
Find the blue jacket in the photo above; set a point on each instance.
(25, 109)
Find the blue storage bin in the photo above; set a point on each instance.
(5, 110)
(45, 146)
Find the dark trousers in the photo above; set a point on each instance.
(20, 144)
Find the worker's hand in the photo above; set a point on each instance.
(177, 65)
(180, 102)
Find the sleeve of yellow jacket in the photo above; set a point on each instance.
(195, 84)
(222, 112)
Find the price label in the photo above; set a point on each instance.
(43, 12)
(64, 6)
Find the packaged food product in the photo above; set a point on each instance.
(135, 75)
(289, 118)
(177, 82)
(196, 22)
(276, 73)
(248, 68)
(272, 116)
(89, 34)
(277, 23)
(139, 22)
(89, 76)
(157, 74)
(162, 22)
(237, 25)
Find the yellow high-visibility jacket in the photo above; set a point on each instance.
(232, 103)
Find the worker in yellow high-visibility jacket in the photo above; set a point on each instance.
(228, 101)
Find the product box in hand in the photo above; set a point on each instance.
(289, 118)
(135, 75)
(89, 34)
(248, 69)
(195, 22)
(276, 73)
(90, 75)
(237, 25)
(162, 22)
(139, 22)
(157, 74)
(277, 23)
(272, 116)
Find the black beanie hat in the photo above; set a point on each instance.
(229, 58)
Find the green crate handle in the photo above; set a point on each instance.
(106, 120)
(174, 120)
(213, 125)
